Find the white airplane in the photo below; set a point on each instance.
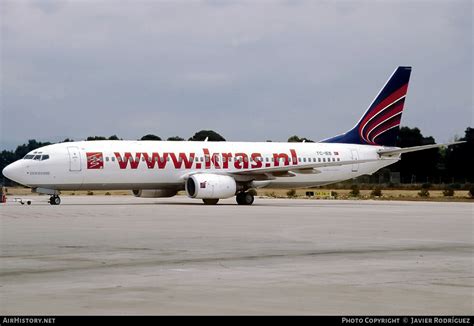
(215, 170)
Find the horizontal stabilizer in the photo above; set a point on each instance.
(398, 151)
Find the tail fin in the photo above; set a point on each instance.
(381, 122)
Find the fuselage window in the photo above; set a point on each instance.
(113, 159)
(333, 159)
(299, 159)
(319, 159)
(304, 159)
(324, 159)
(338, 159)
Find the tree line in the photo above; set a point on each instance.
(447, 165)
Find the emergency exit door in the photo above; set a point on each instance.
(355, 157)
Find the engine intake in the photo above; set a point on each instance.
(210, 186)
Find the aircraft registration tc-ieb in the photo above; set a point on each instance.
(216, 170)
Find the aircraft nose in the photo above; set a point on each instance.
(13, 172)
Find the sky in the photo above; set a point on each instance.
(250, 70)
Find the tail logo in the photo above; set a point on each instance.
(384, 116)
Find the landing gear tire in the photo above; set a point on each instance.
(245, 198)
(210, 201)
(55, 200)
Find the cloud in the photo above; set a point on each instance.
(251, 70)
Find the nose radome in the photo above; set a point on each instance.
(7, 171)
(13, 172)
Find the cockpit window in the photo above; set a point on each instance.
(36, 157)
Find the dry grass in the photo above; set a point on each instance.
(20, 191)
(435, 195)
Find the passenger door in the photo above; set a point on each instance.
(74, 158)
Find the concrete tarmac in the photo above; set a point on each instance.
(113, 255)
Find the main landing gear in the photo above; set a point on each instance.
(245, 198)
(54, 200)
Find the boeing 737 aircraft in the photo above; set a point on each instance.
(215, 170)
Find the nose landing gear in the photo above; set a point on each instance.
(54, 200)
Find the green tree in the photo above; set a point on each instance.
(296, 139)
(113, 137)
(210, 134)
(419, 166)
(90, 138)
(7, 157)
(150, 137)
(460, 159)
(175, 138)
(22, 150)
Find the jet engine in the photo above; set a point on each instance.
(210, 186)
(154, 193)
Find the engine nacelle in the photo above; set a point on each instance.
(210, 186)
(154, 193)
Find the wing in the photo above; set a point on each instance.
(398, 151)
(290, 170)
(272, 173)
